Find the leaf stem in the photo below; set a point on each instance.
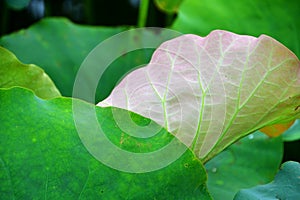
(143, 12)
(169, 19)
(88, 12)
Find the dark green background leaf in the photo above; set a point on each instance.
(251, 161)
(14, 73)
(293, 133)
(42, 156)
(59, 47)
(278, 19)
(286, 185)
(17, 4)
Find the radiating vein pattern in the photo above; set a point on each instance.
(210, 91)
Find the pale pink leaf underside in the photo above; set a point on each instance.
(210, 91)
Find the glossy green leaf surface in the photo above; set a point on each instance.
(15, 73)
(286, 185)
(42, 156)
(253, 160)
(211, 91)
(278, 19)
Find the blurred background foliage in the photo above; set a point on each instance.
(17, 14)
(277, 18)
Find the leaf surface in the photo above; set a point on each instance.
(17, 4)
(277, 129)
(60, 47)
(210, 91)
(277, 19)
(286, 185)
(15, 73)
(251, 161)
(293, 133)
(42, 156)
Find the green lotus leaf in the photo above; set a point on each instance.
(293, 133)
(15, 73)
(60, 47)
(211, 91)
(278, 19)
(251, 161)
(42, 155)
(286, 185)
(17, 4)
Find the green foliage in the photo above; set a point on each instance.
(42, 154)
(14, 73)
(293, 133)
(278, 19)
(286, 185)
(17, 4)
(169, 6)
(43, 157)
(251, 161)
(59, 47)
